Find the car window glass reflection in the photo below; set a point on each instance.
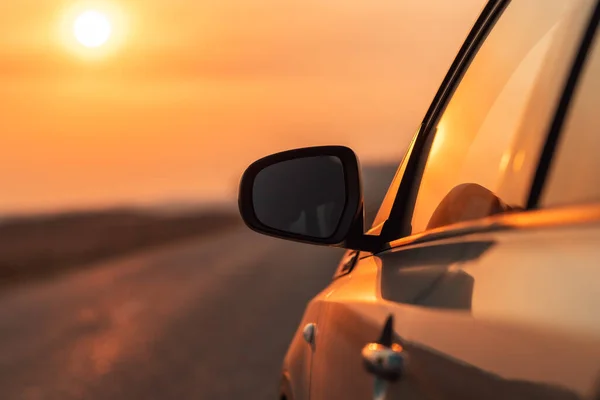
(466, 202)
(478, 139)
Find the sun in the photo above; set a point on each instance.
(92, 28)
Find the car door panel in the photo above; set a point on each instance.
(504, 314)
(353, 313)
(296, 369)
(422, 274)
(532, 327)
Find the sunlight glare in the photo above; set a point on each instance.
(92, 28)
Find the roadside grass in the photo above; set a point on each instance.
(44, 245)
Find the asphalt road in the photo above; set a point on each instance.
(205, 319)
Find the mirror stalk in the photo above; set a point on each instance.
(358, 240)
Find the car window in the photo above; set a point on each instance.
(573, 176)
(486, 144)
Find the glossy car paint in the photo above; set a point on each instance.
(296, 371)
(505, 314)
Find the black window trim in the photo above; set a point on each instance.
(396, 224)
(562, 109)
(395, 229)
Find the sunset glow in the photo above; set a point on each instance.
(180, 96)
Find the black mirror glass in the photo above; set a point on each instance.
(305, 196)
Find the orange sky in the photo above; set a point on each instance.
(196, 90)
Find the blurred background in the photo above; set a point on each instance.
(124, 128)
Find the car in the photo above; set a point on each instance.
(480, 276)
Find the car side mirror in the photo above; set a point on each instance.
(310, 195)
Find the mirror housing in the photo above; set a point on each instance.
(311, 195)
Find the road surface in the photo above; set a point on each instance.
(204, 319)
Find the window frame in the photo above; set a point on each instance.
(395, 231)
(558, 122)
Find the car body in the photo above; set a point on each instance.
(481, 271)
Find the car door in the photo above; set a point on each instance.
(485, 298)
